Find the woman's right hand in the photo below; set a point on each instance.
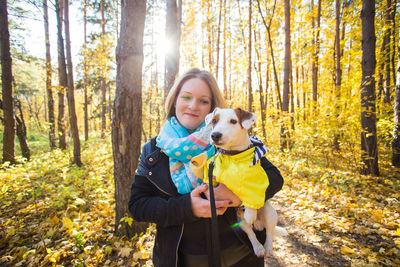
(201, 207)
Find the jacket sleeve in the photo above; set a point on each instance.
(274, 176)
(149, 203)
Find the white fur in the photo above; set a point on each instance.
(234, 136)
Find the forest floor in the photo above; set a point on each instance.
(55, 214)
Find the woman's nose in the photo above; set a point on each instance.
(193, 104)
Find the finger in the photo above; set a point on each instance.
(221, 211)
(198, 190)
(222, 203)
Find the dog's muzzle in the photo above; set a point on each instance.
(216, 136)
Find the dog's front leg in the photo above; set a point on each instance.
(257, 246)
(271, 220)
(250, 215)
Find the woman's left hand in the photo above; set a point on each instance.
(221, 192)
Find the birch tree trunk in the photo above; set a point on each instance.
(6, 82)
(369, 148)
(249, 91)
(103, 78)
(49, 90)
(70, 92)
(127, 118)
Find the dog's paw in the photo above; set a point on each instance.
(268, 249)
(258, 225)
(259, 250)
(250, 215)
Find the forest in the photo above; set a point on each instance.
(83, 88)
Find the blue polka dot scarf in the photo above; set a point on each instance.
(180, 146)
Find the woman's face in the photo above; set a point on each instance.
(193, 103)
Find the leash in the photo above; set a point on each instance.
(214, 252)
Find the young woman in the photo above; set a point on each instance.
(166, 193)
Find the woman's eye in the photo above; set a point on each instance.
(204, 102)
(233, 121)
(185, 97)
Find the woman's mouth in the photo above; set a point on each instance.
(191, 115)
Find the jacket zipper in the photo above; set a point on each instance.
(165, 192)
(177, 246)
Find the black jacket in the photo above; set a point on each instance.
(154, 198)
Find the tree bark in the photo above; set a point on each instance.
(249, 89)
(338, 74)
(286, 79)
(315, 56)
(396, 128)
(62, 78)
(21, 132)
(173, 33)
(7, 92)
(127, 119)
(218, 38)
(85, 72)
(387, 55)
(369, 148)
(49, 90)
(70, 92)
(103, 78)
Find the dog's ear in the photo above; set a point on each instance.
(246, 118)
(210, 116)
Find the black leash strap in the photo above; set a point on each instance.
(214, 256)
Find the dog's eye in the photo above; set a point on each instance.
(214, 121)
(233, 121)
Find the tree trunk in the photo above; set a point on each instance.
(127, 119)
(103, 78)
(70, 92)
(396, 128)
(268, 27)
(85, 72)
(21, 132)
(387, 55)
(7, 92)
(62, 78)
(249, 89)
(218, 38)
(338, 75)
(369, 148)
(315, 56)
(50, 100)
(286, 79)
(173, 33)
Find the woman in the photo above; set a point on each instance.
(166, 193)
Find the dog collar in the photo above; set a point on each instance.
(232, 152)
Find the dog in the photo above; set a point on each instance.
(230, 137)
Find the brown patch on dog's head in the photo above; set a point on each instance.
(215, 120)
(244, 116)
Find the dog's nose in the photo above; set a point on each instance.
(216, 136)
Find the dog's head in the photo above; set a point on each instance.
(230, 126)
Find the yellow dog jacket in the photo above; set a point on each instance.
(235, 171)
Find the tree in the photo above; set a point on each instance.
(315, 55)
(70, 92)
(396, 128)
(338, 72)
(249, 89)
(369, 149)
(85, 71)
(7, 91)
(50, 100)
(286, 78)
(62, 78)
(103, 78)
(127, 119)
(173, 34)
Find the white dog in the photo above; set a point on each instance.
(230, 136)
